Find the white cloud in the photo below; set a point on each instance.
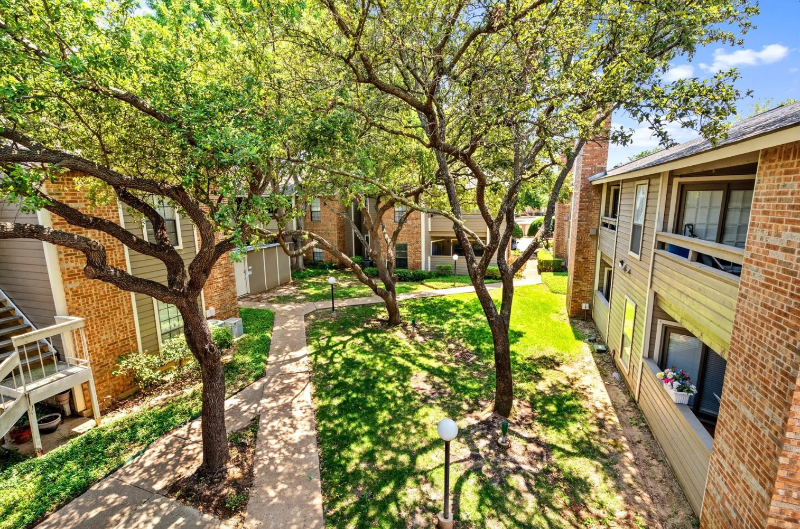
(679, 72)
(643, 139)
(725, 61)
(794, 70)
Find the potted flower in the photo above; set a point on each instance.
(678, 384)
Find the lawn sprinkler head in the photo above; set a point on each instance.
(503, 441)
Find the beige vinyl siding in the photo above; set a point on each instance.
(607, 241)
(151, 268)
(633, 283)
(600, 312)
(680, 439)
(23, 271)
(444, 227)
(658, 314)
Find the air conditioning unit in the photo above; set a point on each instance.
(235, 325)
(215, 323)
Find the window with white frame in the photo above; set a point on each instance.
(316, 210)
(399, 211)
(170, 216)
(628, 330)
(170, 321)
(316, 254)
(637, 229)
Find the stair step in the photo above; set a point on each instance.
(24, 360)
(6, 311)
(9, 319)
(7, 344)
(16, 330)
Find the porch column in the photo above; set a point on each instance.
(754, 474)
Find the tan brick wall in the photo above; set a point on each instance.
(220, 289)
(108, 311)
(585, 216)
(561, 230)
(754, 463)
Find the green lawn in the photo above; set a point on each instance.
(379, 394)
(317, 288)
(31, 488)
(555, 281)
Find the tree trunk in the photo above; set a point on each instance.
(504, 386)
(198, 338)
(393, 309)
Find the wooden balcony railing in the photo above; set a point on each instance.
(609, 223)
(697, 283)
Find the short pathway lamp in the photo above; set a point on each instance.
(331, 282)
(455, 267)
(448, 430)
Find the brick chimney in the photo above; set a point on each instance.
(584, 218)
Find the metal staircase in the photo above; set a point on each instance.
(31, 370)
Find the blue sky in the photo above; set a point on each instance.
(769, 64)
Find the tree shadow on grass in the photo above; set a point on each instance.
(379, 393)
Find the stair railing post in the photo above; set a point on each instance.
(33, 420)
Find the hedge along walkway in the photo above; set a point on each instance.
(287, 492)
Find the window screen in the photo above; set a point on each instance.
(316, 210)
(713, 377)
(316, 253)
(684, 352)
(399, 211)
(737, 218)
(401, 256)
(170, 219)
(170, 322)
(637, 229)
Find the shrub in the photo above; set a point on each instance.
(420, 275)
(517, 231)
(358, 260)
(534, 227)
(546, 262)
(492, 272)
(315, 265)
(309, 272)
(371, 271)
(222, 337)
(402, 274)
(153, 369)
(443, 270)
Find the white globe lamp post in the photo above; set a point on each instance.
(455, 267)
(448, 430)
(331, 282)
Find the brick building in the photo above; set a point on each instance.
(695, 254)
(424, 242)
(39, 282)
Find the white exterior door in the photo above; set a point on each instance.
(242, 272)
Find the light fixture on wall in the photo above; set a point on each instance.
(624, 267)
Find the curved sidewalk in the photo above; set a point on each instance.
(287, 492)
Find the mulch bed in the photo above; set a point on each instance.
(226, 493)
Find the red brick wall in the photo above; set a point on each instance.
(561, 230)
(410, 235)
(108, 311)
(784, 511)
(585, 216)
(331, 227)
(220, 289)
(754, 463)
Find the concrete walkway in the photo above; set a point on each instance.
(286, 492)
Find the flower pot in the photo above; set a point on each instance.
(678, 397)
(21, 434)
(49, 423)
